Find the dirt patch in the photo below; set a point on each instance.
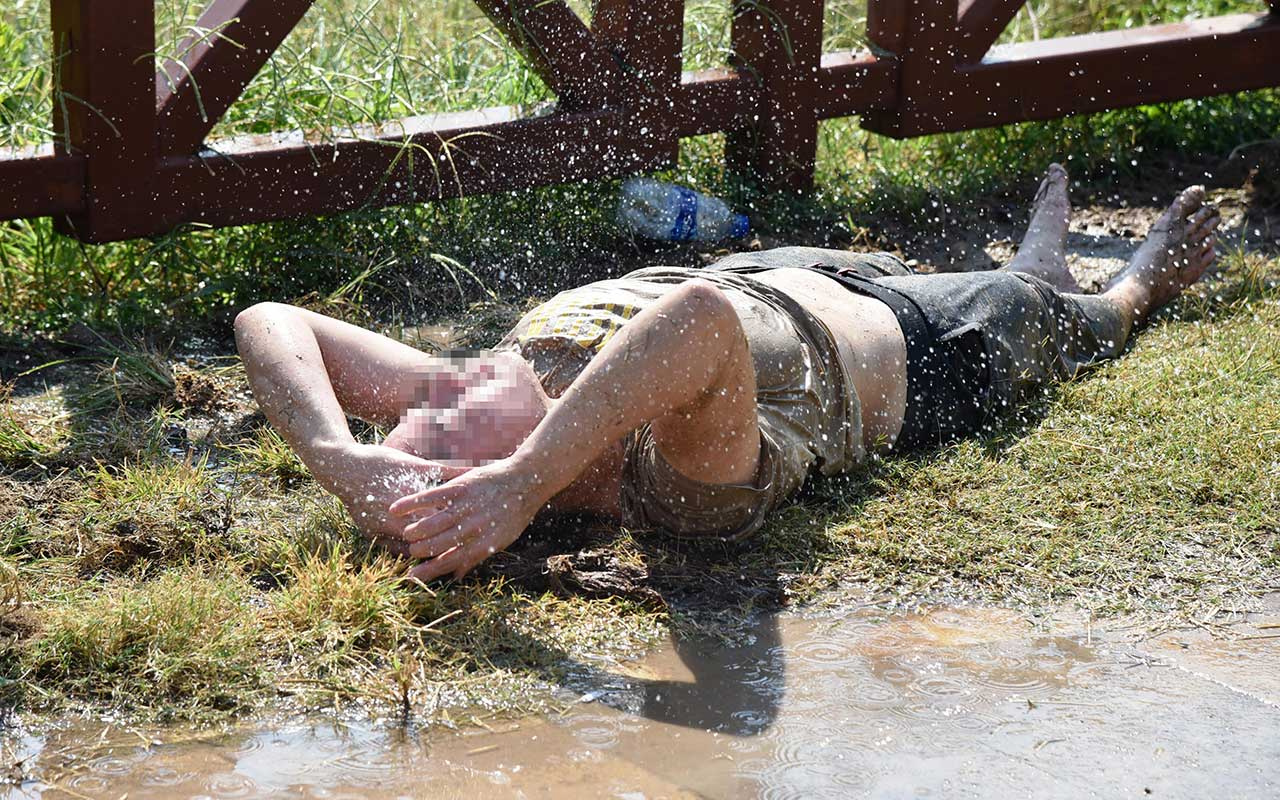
(652, 569)
(197, 391)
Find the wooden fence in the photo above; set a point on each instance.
(131, 159)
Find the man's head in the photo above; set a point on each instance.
(478, 407)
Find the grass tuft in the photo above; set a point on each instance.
(340, 611)
(131, 375)
(138, 515)
(183, 641)
(269, 454)
(18, 447)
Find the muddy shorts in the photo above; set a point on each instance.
(981, 343)
(655, 495)
(978, 343)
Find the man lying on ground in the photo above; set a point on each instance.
(695, 400)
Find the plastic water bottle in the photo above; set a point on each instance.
(658, 210)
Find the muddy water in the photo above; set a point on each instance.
(942, 703)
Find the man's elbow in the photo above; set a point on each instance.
(258, 313)
(706, 304)
(254, 320)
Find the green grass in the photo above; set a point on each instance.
(183, 641)
(163, 553)
(269, 454)
(135, 514)
(18, 446)
(129, 374)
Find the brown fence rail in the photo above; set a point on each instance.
(130, 157)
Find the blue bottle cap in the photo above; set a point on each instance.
(741, 227)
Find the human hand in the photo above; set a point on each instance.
(470, 518)
(367, 478)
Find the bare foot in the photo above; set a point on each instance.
(1178, 250)
(1043, 251)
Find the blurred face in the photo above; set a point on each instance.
(482, 408)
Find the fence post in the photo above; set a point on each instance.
(779, 43)
(104, 108)
(886, 24)
(645, 38)
(558, 47)
(924, 36)
(980, 22)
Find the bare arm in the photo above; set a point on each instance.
(682, 364)
(307, 372)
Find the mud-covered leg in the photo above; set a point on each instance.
(1043, 252)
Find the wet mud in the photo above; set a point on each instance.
(944, 702)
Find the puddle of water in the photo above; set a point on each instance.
(943, 703)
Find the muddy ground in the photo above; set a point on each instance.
(949, 702)
(164, 555)
(198, 374)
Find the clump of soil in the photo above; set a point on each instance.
(197, 391)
